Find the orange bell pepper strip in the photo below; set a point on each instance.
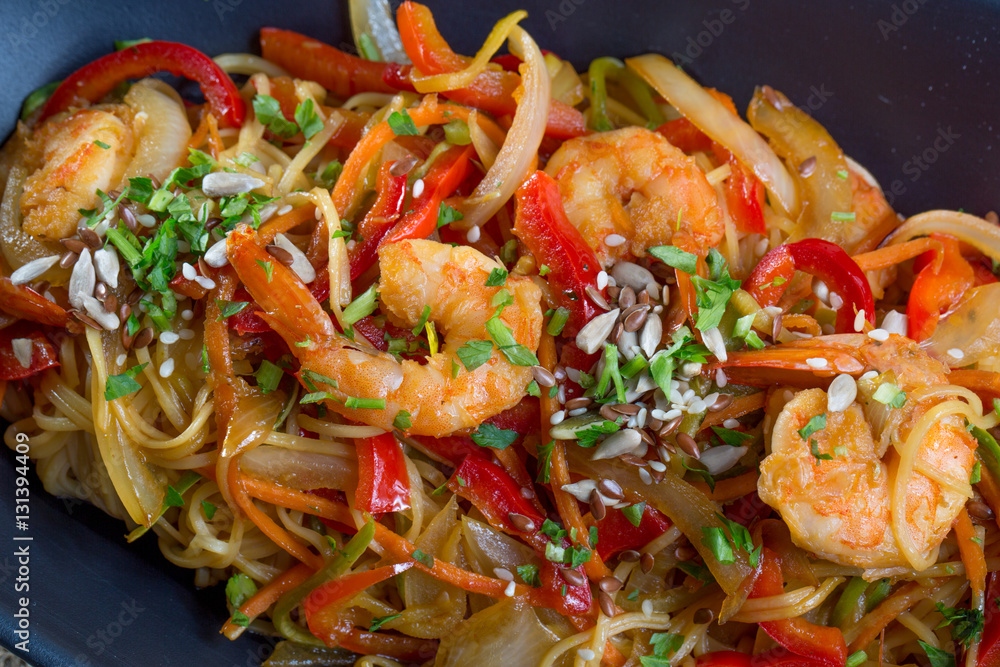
(940, 284)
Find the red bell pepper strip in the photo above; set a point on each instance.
(522, 418)
(492, 90)
(724, 659)
(381, 217)
(328, 621)
(541, 224)
(451, 449)
(25, 303)
(776, 657)
(615, 533)
(43, 353)
(989, 644)
(820, 645)
(577, 600)
(685, 135)
(340, 73)
(938, 288)
(822, 259)
(383, 483)
(92, 82)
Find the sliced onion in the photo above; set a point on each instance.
(715, 120)
(439, 83)
(974, 329)
(252, 420)
(140, 485)
(985, 237)
(375, 18)
(488, 548)
(502, 635)
(687, 507)
(247, 64)
(300, 470)
(18, 246)
(162, 143)
(519, 152)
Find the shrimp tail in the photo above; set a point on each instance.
(288, 306)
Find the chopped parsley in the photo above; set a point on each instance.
(545, 462)
(966, 624)
(240, 619)
(529, 574)
(423, 558)
(676, 258)
(401, 124)
(533, 389)
(497, 278)
(475, 353)
(842, 174)
(503, 337)
(239, 589)
(571, 556)
(402, 420)
(208, 509)
(447, 215)
(743, 329)
(722, 546)
(713, 294)
(488, 435)
(937, 657)
(634, 513)
(730, 437)
(589, 436)
(611, 374)
(268, 268)
(308, 121)
(664, 644)
(229, 308)
(269, 113)
(123, 384)
(814, 450)
(816, 423)
(331, 172)
(379, 621)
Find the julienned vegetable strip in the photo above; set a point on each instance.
(891, 255)
(266, 596)
(971, 549)
(92, 82)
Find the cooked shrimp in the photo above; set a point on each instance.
(841, 507)
(72, 158)
(414, 274)
(634, 183)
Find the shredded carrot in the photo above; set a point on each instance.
(990, 488)
(891, 255)
(268, 595)
(740, 406)
(200, 133)
(730, 489)
(266, 524)
(299, 501)
(802, 322)
(214, 140)
(566, 504)
(283, 223)
(878, 618)
(971, 550)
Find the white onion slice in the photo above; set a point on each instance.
(968, 228)
(165, 131)
(520, 148)
(375, 18)
(715, 120)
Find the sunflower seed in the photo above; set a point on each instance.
(300, 265)
(633, 275)
(226, 184)
(593, 334)
(616, 444)
(216, 256)
(83, 279)
(33, 269)
(23, 351)
(652, 332)
(580, 490)
(720, 459)
(96, 310)
(106, 264)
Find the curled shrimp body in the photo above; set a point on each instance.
(854, 491)
(441, 396)
(71, 159)
(634, 183)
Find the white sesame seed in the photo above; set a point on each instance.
(688, 395)
(205, 282)
(816, 362)
(561, 395)
(585, 654)
(602, 280)
(644, 475)
(773, 311)
(146, 220)
(122, 358)
(614, 240)
(697, 406)
(731, 423)
(711, 398)
(821, 291)
(169, 337)
(187, 315)
(879, 335)
(843, 390)
(473, 234)
(658, 414)
(577, 412)
(640, 419)
(869, 375)
(557, 417)
(859, 321)
(185, 334)
(647, 607)
(720, 378)
(510, 590)
(956, 353)
(188, 271)
(671, 414)
(657, 466)
(351, 244)
(167, 368)
(714, 342)
(835, 301)
(503, 573)
(285, 209)
(561, 373)
(418, 187)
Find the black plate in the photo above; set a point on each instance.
(908, 88)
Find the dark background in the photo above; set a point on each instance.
(909, 89)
